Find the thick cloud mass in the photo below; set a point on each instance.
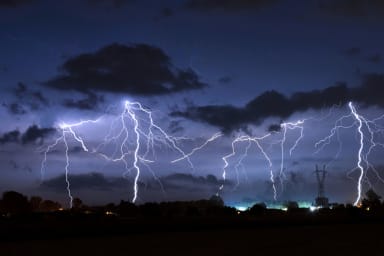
(33, 134)
(275, 104)
(26, 100)
(91, 102)
(174, 182)
(10, 137)
(85, 181)
(138, 69)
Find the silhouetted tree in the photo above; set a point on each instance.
(49, 206)
(77, 203)
(127, 209)
(371, 200)
(291, 205)
(35, 202)
(15, 203)
(150, 209)
(216, 201)
(258, 208)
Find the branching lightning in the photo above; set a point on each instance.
(135, 137)
(65, 130)
(138, 146)
(256, 141)
(289, 126)
(366, 130)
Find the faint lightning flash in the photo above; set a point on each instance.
(214, 137)
(365, 129)
(289, 126)
(256, 140)
(145, 132)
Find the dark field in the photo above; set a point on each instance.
(227, 236)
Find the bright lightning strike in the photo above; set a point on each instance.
(65, 130)
(365, 129)
(135, 137)
(359, 156)
(132, 148)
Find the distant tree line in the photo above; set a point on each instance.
(14, 203)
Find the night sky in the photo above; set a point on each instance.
(238, 67)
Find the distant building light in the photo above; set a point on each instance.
(241, 208)
(313, 208)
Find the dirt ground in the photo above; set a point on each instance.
(343, 239)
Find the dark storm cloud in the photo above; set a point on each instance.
(275, 104)
(353, 8)
(33, 134)
(180, 178)
(10, 137)
(26, 100)
(97, 181)
(274, 128)
(14, 3)
(185, 183)
(228, 5)
(91, 102)
(15, 108)
(135, 69)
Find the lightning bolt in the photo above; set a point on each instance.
(250, 140)
(135, 137)
(66, 129)
(136, 145)
(214, 137)
(365, 129)
(359, 156)
(285, 127)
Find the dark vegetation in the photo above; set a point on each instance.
(36, 226)
(48, 219)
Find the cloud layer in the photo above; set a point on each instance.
(275, 104)
(33, 134)
(135, 69)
